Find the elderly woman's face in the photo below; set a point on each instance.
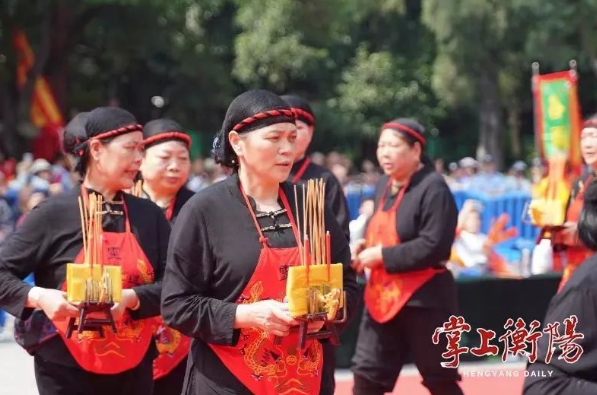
(396, 157)
(166, 166)
(267, 153)
(588, 145)
(118, 161)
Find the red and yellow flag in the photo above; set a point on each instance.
(557, 116)
(44, 110)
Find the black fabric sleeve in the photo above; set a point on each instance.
(20, 255)
(186, 302)
(561, 377)
(435, 237)
(149, 295)
(336, 200)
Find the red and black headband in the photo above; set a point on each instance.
(169, 135)
(590, 123)
(261, 116)
(110, 133)
(303, 115)
(118, 132)
(405, 129)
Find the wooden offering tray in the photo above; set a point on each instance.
(330, 318)
(92, 323)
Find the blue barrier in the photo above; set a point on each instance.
(512, 203)
(356, 194)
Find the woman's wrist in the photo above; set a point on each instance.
(33, 297)
(243, 316)
(131, 299)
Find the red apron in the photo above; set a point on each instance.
(385, 293)
(124, 350)
(299, 174)
(577, 254)
(173, 346)
(262, 366)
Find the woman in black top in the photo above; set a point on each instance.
(560, 369)
(165, 169)
(304, 170)
(228, 258)
(109, 150)
(408, 240)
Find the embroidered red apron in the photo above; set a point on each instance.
(262, 366)
(299, 174)
(577, 254)
(385, 293)
(124, 350)
(173, 346)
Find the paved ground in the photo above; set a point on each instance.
(16, 366)
(17, 378)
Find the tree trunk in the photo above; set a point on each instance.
(490, 117)
(586, 29)
(514, 129)
(8, 132)
(8, 91)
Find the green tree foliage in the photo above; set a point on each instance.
(462, 67)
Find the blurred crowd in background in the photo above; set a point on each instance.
(24, 184)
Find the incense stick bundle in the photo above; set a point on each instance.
(298, 225)
(314, 286)
(93, 282)
(315, 246)
(91, 212)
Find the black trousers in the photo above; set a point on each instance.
(56, 379)
(382, 350)
(171, 384)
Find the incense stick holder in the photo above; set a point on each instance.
(92, 318)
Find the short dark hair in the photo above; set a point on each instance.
(84, 126)
(242, 108)
(417, 130)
